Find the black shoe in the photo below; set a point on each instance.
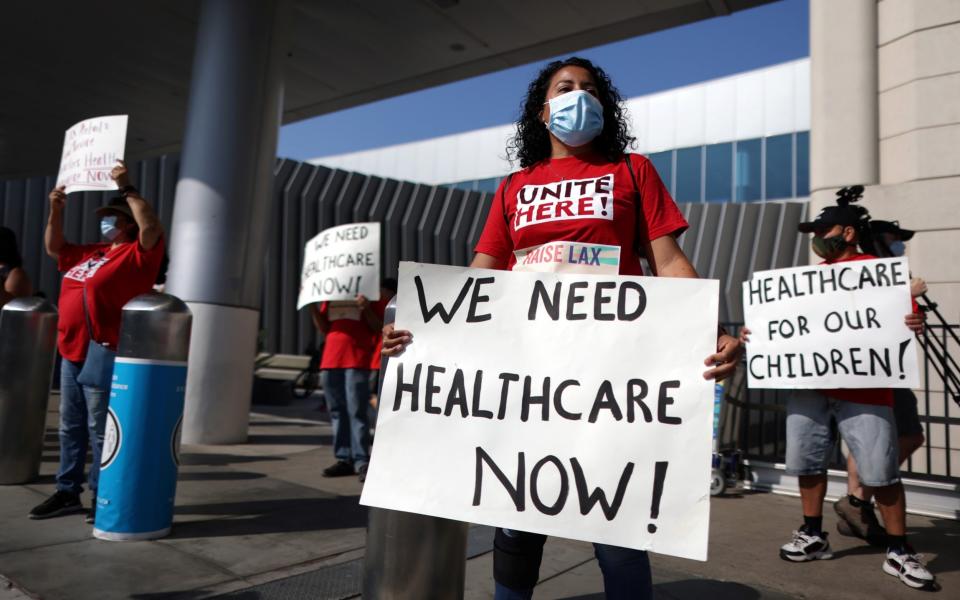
(341, 468)
(92, 513)
(60, 503)
(362, 473)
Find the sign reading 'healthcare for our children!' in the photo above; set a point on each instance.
(341, 262)
(91, 149)
(564, 404)
(831, 326)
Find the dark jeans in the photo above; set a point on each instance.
(83, 415)
(347, 392)
(516, 560)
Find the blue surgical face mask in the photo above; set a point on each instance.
(108, 227)
(575, 117)
(897, 248)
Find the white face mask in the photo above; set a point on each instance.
(108, 227)
(575, 117)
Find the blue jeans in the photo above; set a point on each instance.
(347, 392)
(83, 415)
(517, 555)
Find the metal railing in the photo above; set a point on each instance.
(754, 420)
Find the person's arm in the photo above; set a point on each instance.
(667, 259)
(53, 239)
(151, 230)
(367, 313)
(320, 319)
(17, 285)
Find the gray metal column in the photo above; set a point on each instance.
(410, 555)
(28, 345)
(221, 217)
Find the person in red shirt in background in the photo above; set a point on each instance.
(98, 280)
(388, 289)
(864, 419)
(580, 204)
(349, 328)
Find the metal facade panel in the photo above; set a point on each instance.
(443, 231)
(411, 219)
(460, 252)
(393, 226)
(426, 252)
(419, 222)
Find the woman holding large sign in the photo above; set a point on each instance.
(580, 204)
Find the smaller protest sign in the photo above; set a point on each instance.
(91, 149)
(340, 263)
(831, 326)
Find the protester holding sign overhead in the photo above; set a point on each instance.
(580, 204)
(98, 280)
(864, 418)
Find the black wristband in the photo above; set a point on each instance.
(129, 189)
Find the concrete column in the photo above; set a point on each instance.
(221, 216)
(844, 110)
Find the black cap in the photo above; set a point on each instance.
(830, 216)
(891, 227)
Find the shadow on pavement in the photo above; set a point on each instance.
(219, 476)
(220, 460)
(295, 515)
(285, 439)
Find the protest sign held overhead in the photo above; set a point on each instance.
(341, 262)
(91, 148)
(831, 326)
(563, 404)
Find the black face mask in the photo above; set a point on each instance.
(828, 248)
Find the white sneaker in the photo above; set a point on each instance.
(909, 569)
(805, 546)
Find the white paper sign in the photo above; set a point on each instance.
(567, 405)
(341, 262)
(91, 149)
(831, 326)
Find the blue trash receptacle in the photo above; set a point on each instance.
(140, 457)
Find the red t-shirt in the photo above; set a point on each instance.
(113, 277)
(350, 343)
(582, 199)
(875, 396)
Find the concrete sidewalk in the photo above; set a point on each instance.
(257, 522)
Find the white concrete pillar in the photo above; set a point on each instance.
(844, 109)
(221, 216)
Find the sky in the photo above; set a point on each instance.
(654, 62)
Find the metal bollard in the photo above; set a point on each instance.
(410, 555)
(141, 447)
(28, 344)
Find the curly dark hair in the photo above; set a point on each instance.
(531, 144)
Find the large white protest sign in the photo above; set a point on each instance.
(341, 262)
(563, 404)
(91, 149)
(831, 326)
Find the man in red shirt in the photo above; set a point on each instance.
(348, 347)
(98, 280)
(864, 419)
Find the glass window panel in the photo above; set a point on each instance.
(779, 166)
(663, 163)
(747, 180)
(719, 172)
(803, 163)
(688, 174)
